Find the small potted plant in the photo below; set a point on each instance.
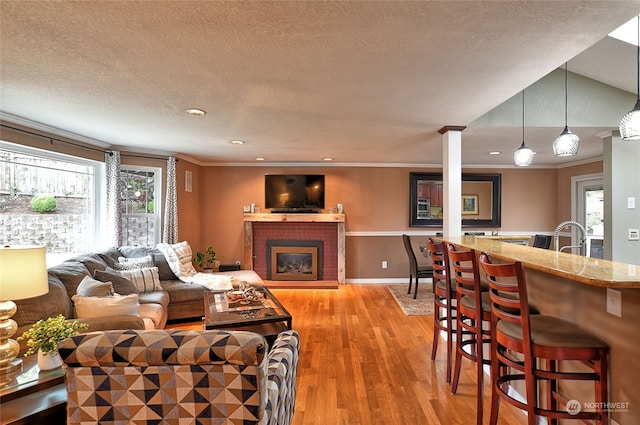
(205, 260)
(43, 338)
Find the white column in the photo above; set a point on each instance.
(452, 180)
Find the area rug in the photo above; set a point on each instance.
(422, 306)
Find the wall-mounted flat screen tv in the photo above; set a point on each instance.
(294, 192)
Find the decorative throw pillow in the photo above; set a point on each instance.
(90, 287)
(145, 280)
(125, 263)
(91, 307)
(179, 256)
(121, 284)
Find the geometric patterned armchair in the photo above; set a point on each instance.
(179, 377)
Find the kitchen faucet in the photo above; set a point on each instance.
(583, 237)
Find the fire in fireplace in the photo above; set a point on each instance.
(294, 260)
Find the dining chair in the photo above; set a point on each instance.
(472, 319)
(541, 241)
(444, 307)
(415, 271)
(530, 348)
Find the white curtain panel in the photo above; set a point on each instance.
(114, 217)
(170, 228)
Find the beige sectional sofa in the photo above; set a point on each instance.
(176, 300)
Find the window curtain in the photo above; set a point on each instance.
(170, 229)
(114, 217)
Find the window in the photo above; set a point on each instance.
(140, 205)
(48, 199)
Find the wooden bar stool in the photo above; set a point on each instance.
(522, 344)
(472, 320)
(444, 307)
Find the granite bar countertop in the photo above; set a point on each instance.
(587, 270)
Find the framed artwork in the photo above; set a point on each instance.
(469, 204)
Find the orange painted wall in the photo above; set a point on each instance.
(376, 202)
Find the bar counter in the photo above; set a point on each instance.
(575, 288)
(587, 270)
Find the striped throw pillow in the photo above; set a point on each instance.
(145, 280)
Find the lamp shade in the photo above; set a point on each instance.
(630, 124)
(23, 272)
(566, 144)
(523, 157)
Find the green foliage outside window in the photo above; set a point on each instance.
(43, 203)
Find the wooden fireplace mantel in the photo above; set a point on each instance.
(339, 219)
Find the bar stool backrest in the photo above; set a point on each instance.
(440, 263)
(466, 274)
(508, 293)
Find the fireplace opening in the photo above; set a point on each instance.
(294, 260)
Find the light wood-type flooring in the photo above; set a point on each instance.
(364, 362)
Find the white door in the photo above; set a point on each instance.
(588, 210)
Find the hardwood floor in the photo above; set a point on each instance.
(364, 362)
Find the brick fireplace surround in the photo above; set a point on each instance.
(328, 228)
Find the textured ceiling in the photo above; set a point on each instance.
(365, 82)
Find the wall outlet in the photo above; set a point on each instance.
(614, 302)
(384, 264)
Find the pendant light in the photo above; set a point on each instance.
(567, 143)
(523, 157)
(630, 122)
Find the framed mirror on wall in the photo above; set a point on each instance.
(480, 201)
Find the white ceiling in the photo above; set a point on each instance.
(361, 82)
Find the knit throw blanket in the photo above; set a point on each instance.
(179, 257)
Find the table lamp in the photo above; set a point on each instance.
(23, 274)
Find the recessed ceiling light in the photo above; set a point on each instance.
(195, 111)
(259, 158)
(328, 159)
(494, 153)
(237, 142)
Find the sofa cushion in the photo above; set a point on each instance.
(121, 284)
(55, 302)
(145, 280)
(110, 256)
(158, 259)
(91, 307)
(91, 261)
(155, 312)
(71, 274)
(181, 292)
(90, 287)
(155, 297)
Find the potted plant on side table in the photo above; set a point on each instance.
(43, 338)
(205, 260)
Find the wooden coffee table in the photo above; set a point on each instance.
(265, 316)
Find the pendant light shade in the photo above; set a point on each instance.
(567, 143)
(630, 122)
(523, 157)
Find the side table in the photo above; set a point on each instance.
(34, 396)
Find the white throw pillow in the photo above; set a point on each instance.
(91, 307)
(145, 280)
(179, 256)
(125, 263)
